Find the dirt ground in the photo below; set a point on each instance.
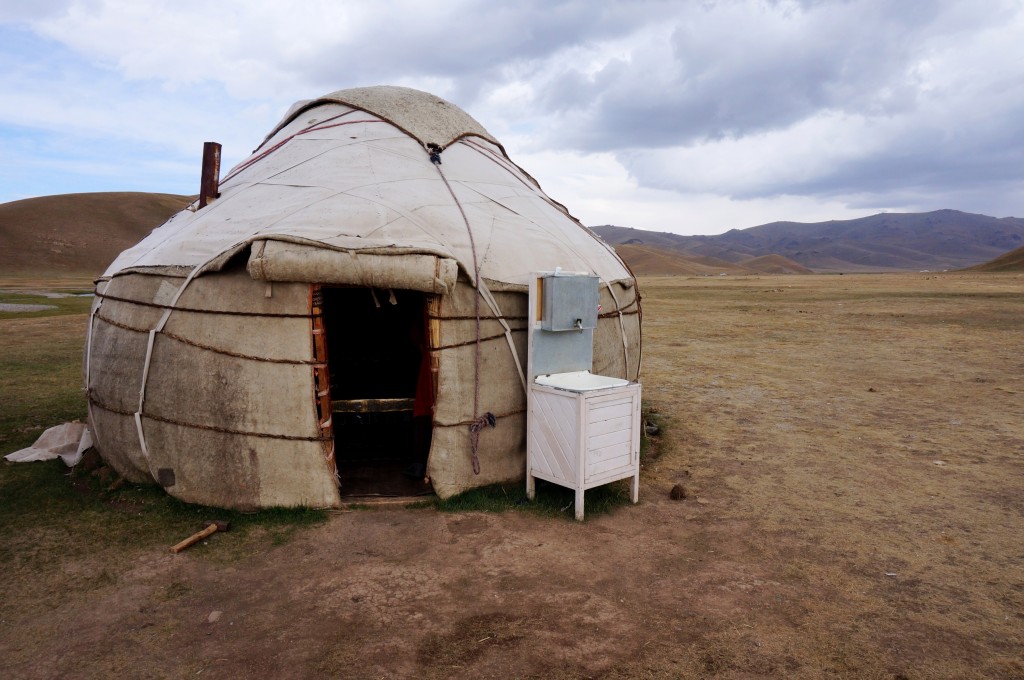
(852, 449)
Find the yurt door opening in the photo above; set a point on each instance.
(381, 388)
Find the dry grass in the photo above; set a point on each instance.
(867, 435)
(853, 452)
(77, 234)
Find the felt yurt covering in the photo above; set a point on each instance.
(205, 363)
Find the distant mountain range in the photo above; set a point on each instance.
(944, 239)
(81, 234)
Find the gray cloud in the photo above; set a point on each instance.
(13, 11)
(731, 69)
(473, 44)
(932, 87)
(931, 166)
(844, 102)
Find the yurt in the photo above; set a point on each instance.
(344, 315)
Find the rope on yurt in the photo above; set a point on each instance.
(622, 331)
(196, 310)
(312, 128)
(209, 348)
(88, 358)
(149, 350)
(497, 416)
(508, 165)
(568, 245)
(456, 345)
(493, 304)
(511, 168)
(488, 419)
(213, 428)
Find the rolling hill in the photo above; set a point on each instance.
(774, 264)
(77, 234)
(944, 239)
(647, 260)
(1012, 261)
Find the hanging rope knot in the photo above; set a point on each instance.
(435, 153)
(486, 420)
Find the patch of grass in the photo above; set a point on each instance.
(649, 416)
(74, 510)
(551, 500)
(40, 377)
(157, 509)
(76, 303)
(283, 524)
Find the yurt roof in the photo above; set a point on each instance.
(352, 172)
(423, 116)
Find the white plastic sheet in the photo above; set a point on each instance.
(67, 442)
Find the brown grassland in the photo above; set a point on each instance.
(852, 450)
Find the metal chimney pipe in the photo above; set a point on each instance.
(209, 185)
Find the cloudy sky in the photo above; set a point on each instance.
(687, 116)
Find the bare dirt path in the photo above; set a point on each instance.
(853, 452)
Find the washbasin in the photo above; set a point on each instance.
(579, 381)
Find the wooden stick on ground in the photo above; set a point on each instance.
(210, 529)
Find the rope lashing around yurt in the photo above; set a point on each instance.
(93, 313)
(622, 331)
(508, 166)
(209, 428)
(479, 422)
(618, 308)
(198, 310)
(515, 171)
(149, 352)
(312, 128)
(486, 420)
(493, 304)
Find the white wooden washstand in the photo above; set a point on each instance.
(583, 430)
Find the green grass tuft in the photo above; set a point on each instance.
(649, 449)
(75, 304)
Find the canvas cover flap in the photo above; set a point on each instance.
(284, 261)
